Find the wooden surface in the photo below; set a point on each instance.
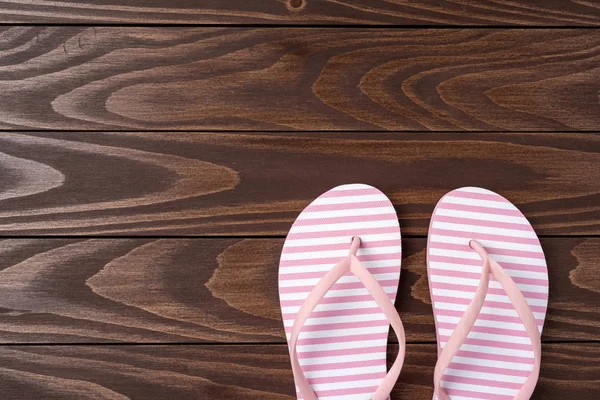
(205, 290)
(238, 372)
(329, 12)
(150, 170)
(233, 184)
(95, 78)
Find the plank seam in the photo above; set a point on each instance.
(291, 131)
(208, 344)
(229, 237)
(299, 26)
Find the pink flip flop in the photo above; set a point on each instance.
(489, 288)
(338, 278)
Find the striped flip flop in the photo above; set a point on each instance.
(489, 287)
(338, 278)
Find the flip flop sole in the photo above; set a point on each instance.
(342, 347)
(497, 356)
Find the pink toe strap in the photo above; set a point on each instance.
(470, 316)
(352, 264)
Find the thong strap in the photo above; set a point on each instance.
(351, 264)
(468, 319)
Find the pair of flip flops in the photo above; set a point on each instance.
(338, 279)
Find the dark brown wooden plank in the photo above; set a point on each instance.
(222, 290)
(256, 184)
(94, 78)
(239, 372)
(331, 12)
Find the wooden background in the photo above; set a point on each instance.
(153, 156)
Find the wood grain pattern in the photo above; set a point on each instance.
(168, 183)
(330, 12)
(94, 78)
(238, 372)
(222, 290)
